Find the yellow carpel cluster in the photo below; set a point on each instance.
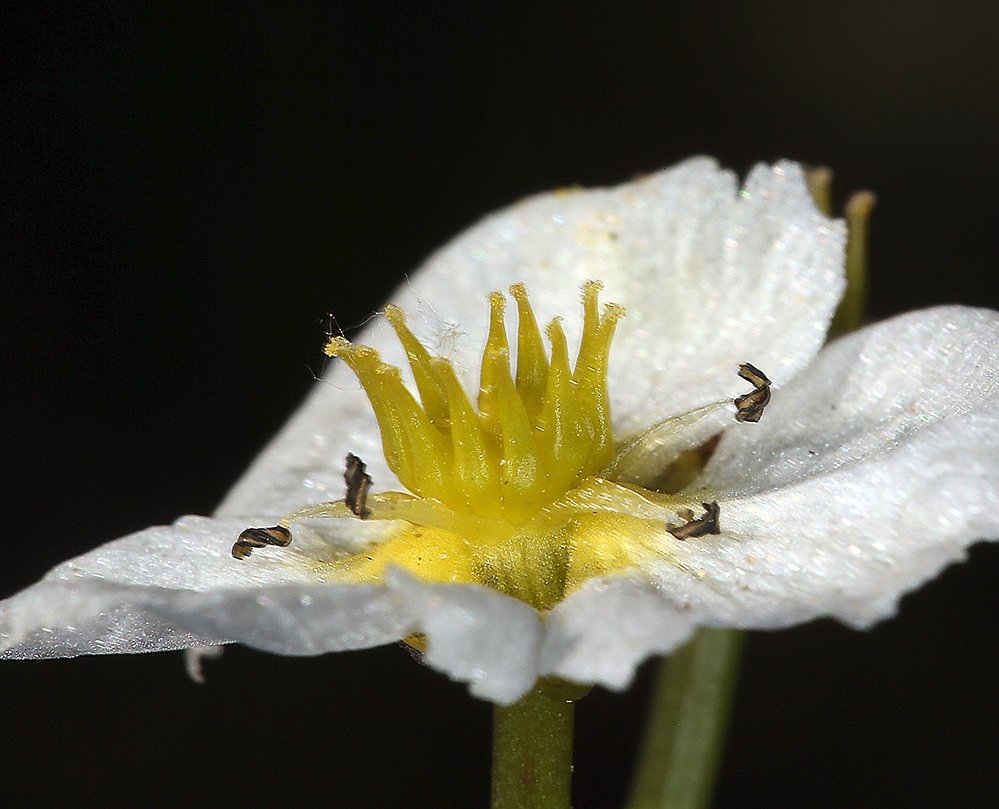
(532, 434)
(507, 492)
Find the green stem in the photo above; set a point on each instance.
(819, 179)
(532, 752)
(850, 314)
(687, 723)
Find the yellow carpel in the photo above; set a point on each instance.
(505, 493)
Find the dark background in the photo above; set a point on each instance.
(189, 190)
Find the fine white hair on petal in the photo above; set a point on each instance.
(710, 277)
(604, 630)
(872, 470)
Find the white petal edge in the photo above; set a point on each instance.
(173, 587)
(711, 277)
(872, 471)
(475, 635)
(178, 587)
(603, 631)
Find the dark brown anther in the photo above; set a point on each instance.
(706, 524)
(258, 538)
(752, 405)
(358, 482)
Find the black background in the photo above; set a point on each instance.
(190, 188)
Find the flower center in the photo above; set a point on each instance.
(533, 436)
(513, 492)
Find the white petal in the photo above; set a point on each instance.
(176, 587)
(874, 469)
(475, 635)
(711, 278)
(604, 630)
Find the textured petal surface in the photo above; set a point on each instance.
(602, 632)
(711, 277)
(873, 470)
(475, 635)
(177, 586)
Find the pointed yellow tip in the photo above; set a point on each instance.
(354, 355)
(336, 346)
(387, 371)
(518, 291)
(529, 439)
(554, 327)
(611, 314)
(497, 303)
(395, 315)
(860, 204)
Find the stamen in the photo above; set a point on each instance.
(358, 482)
(707, 523)
(258, 538)
(752, 405)
(504, 488)
(645, 459)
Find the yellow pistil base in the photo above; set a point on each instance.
(506, 493)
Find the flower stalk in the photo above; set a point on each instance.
(532, 752)
(685, 735)
(850, 314)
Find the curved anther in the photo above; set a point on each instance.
(358, 482)
(752, 405)
(258, 538)
(707, 523)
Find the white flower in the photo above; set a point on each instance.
(875, 465)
